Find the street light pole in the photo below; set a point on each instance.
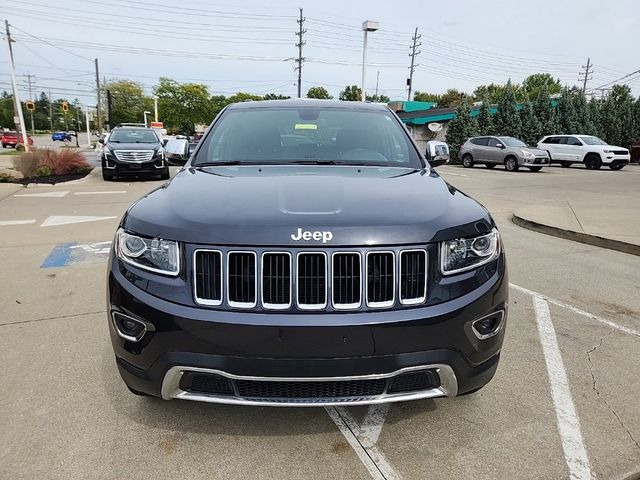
(145, 117)
(86, 120)
(22, 130)
(155, 108)
(367, 26)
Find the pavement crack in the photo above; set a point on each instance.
(594, 385)
(58, 317)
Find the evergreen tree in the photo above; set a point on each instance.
(567, 120)
(485, 125)
(635, 131)
(594, 117)
(617, 121)
(544, 112)
(583, 118)
(530, 133)
(507, 121)
(460, 129)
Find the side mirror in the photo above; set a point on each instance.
(101, 141)
(164, 142)
(499, 145)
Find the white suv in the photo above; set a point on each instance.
(587, 149)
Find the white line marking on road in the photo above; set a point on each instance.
(106, 192)
(455, 174)
(577, 310)
(45, 194)
(370, 456)
(16, 222)
(575, 453)
(372, 424)
(57, 220)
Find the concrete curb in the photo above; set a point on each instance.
(581, 237)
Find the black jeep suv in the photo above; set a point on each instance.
(133, 150)
(307, 254)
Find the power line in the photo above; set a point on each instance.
(48, 43)
(617, 79)
(301, 31)
(413, 56)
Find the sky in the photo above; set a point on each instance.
(249, 45)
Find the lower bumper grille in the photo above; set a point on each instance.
(218, 387)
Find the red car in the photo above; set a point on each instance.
(10, 139)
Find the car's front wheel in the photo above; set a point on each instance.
(467, 160)
(107, 176)
(511, 164)
(593, 161)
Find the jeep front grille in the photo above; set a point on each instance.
(343, 280)
(134, 155)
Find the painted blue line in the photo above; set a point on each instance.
(60, 256)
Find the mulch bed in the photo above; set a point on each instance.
(52, 179)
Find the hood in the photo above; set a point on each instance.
(133, 146)
(307, 206)
(536, 151)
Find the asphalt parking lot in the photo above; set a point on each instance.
(564, 403)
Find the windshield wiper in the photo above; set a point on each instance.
(317, 161)
(220, 164)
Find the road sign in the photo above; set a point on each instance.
(30, 106)
(156, 125)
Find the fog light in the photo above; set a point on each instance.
(488, 326)
(128, 328)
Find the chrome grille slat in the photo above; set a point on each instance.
(134, 155)
(413, 277)
(380, 279)
(312, 280)
(276, 280)
(208, 276)
(241, 279)
(347, 280)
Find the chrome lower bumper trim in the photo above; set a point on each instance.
(448, 388)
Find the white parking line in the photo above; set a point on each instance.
(577, 310)
(575, 453)
(56, 220)
(106, 192)
(16, 222)
(455, 174)
(369, 455)
(45, 194)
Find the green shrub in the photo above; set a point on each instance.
(44, 171)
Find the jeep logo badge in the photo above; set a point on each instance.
(307, 235)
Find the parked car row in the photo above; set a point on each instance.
(10, 139)
(563, 149)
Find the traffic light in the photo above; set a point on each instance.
(65, 107)
(30, 105)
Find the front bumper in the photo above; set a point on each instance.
(155, 166)
(533, 162)
(299, 351)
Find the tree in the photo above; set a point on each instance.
(485, 124)
(635, 131)
(595, 116)
(128, 101)
(583, 117)
(183, 105)
(274, 96)
(351, 93)
(530, 132)
(532, 85)
(491, 92)
(544, 112)
(243, 97)
(319, 92)
(378, 98)
(617, 120)
(453, 98)
(567, 119)
(426, 97)
(506, 121)
(460, 129)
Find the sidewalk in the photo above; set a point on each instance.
(607, 224)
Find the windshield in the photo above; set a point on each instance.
(133, 136)
(512, 142)
(593, 141)
(308, 135)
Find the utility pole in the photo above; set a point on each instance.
(584, 77)
(377, 82)
(21, 129)
(301, 31)
(50, 111)
(413, 56)
(98, 97)
(31, 98)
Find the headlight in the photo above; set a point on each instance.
(527, 153)
(465, 254)
(606, 151)
(153, 254)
